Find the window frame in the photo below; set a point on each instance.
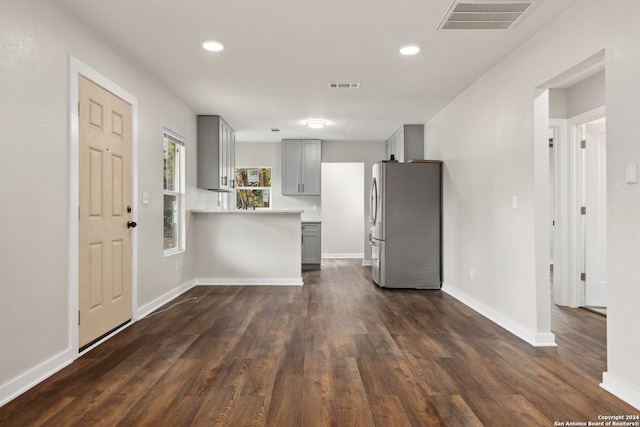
(239, 188)
(178, 191)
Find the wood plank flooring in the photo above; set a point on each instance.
(336, 352)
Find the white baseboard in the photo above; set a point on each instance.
(33, 377)
(147, 309)
(532, 337)
(343, 255)
(366, 263)
(621, 389)
(249, 281)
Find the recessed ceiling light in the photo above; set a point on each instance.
(213, 46)
(315, 124)
(409, 50)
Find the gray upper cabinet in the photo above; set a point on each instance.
(301, 164)
(406, 143)
(216, 154)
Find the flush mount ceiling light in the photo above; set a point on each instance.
(409, 50)
(315, 124)
(213, 46)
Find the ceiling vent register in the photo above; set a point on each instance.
(469, 15)
(344, 85)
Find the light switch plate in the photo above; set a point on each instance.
(631, 173)
(145, 198)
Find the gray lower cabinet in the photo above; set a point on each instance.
(311, 245)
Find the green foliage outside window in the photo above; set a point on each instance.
(253, 188)
(173, 192)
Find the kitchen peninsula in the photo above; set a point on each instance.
(247, 247)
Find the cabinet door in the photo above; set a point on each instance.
(310, 249)
(209, 150)
(311, 243)
(232, 160)
(291, 154)
(224, 155)
(311, 165)
(399, 138)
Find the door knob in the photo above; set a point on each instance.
(131, 224)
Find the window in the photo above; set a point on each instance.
(174, 187)
(253, 188)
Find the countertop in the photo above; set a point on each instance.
(249, 211)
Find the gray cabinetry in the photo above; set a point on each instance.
(301, 163)
(406, 143)
(311, 245)
(216, 154)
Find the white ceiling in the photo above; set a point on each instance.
(281, 55)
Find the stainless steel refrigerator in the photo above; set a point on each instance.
(405, 215)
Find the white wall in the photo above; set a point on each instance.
(343, 207)
(485, 138)
(36, 40)
(583, 96)
(248, 248)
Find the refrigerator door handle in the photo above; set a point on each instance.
(373, 202)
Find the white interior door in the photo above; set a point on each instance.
(595, 238)
(104, 211)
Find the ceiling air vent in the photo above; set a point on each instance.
(485, 15)
(344, 85)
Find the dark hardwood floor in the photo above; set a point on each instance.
(336, 352)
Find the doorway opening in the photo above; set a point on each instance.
(573, 236)
(577, 156)
(343, 213)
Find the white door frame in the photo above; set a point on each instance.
(77, 68)
(563, 167)
(569, 244)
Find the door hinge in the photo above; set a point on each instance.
(583, 143)
(78, 109)
(583, 210)
(78, 317)
(583, 277)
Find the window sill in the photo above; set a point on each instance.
(170, 252)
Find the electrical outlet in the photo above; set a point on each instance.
(514, 202)
(175, 268)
